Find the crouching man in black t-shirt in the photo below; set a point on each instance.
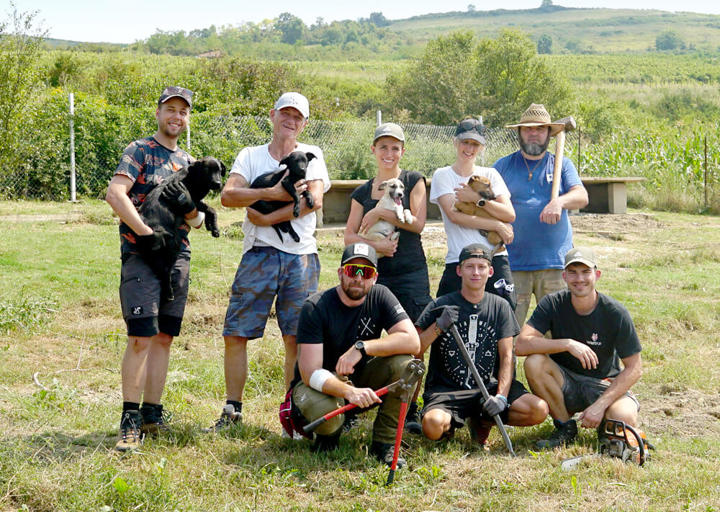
(486, 325)
(578, 370)
(342, 357)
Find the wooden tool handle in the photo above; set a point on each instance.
(557, 169)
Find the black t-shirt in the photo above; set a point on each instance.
(409, 255)
(325, 319)
(608, 330)
(480, 326)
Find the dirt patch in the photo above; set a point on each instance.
(685, 413)
(614, 225)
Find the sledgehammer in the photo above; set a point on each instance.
(570, 125)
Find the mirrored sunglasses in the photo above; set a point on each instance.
(366, 271)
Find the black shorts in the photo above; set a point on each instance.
(145, 310)
(581, 391)
(467, 403)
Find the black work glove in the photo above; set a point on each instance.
(495, 405)
(211, 222)
(178, 198)
(447, 318)
(147, 244)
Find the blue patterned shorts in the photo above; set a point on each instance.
(266, 274)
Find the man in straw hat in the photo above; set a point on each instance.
(543, 234)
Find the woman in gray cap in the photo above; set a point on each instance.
(449, 184)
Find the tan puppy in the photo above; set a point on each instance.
(481, 185)
(393, 193)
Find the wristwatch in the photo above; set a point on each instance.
(360, 347)
(481, 202)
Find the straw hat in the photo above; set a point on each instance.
(536, 115)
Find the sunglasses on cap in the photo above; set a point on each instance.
(352, 270)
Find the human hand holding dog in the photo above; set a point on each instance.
(386, 247)
(178, 199)
(466, 194)
(505, 230)
(147, 244)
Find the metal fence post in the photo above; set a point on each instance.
(73, 191)
(378, 118)
(187, 133)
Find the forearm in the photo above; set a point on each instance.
(473, 222)
(620, 385)
(500, 210)
(123, 207)
(392, 344)
(574, 199)
(505, 372)
(236, 196)
(533, 343)
(389, 215)
(427, 337)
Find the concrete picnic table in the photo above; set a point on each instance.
(607, 195)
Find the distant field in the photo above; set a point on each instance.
(576, 30)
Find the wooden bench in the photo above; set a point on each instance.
(607, 195)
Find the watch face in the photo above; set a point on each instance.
(481, 343)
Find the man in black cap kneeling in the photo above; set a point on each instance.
(486, 324)
(342, 357)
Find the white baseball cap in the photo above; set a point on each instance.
(294, 100)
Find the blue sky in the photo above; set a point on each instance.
(119, 21)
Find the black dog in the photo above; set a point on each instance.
(164, 208)
(296, 165)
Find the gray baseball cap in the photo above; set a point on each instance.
(359, 250)
(583, 255)
(389, 130)
(470, 129)
(174, 91)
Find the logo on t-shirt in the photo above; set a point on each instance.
(399, 309)
(137, 310)
(594, 340)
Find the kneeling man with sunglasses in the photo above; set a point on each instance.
(342, 357)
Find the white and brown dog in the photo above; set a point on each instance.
(393, 193)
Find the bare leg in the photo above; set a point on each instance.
(546, 381)
(435, 423)
(157, 367)
(624, 409)
(527, 410)
(236, 366)
(290, 358)
(134, 368)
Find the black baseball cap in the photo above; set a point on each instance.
(359, 250)
(471, 129)
(474, 251)
(174, 91)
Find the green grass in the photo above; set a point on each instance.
(59, 275)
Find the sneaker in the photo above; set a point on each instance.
(325, 443)
(154, 419)
(479, 431)
(384, 453)
(412, 420)
(130, 437)
(228, 418)
(564, 433)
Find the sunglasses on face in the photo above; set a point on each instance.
(366, 271)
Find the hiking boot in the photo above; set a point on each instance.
(228, 418)
(479, 431)
(130, 437)
(154, 419)
(384, 453)
(351, 421)
(412, 420)
(325, 443)
(564, 433)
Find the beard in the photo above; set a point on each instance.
(533, 149)
(354, 292)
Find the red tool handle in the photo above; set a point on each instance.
(322, 419)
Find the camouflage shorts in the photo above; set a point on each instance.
(265, 273)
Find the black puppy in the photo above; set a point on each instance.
(296, 165)
(164, 209)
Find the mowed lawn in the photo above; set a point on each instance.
(62, 339)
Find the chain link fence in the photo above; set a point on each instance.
(345, 144)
